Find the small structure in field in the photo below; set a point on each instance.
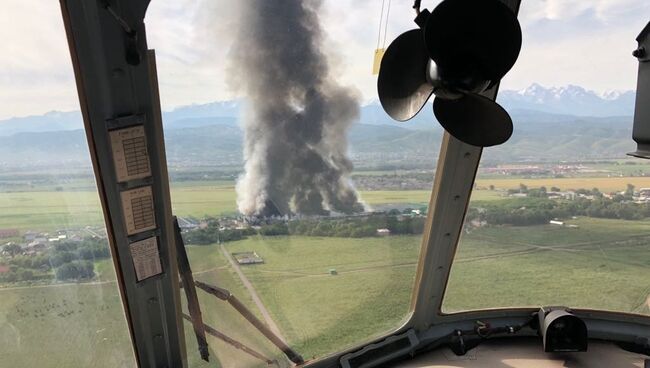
(383, 232)
(556, 222)
(333, 272)
(247, 258)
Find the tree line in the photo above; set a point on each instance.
(65, 260)
(538, 209)
(345, 227)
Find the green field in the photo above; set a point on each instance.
(50, 210)
(39, 324)
(603, 264)
(319, 312)
(63, 326)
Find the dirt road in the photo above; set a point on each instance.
(251, 290)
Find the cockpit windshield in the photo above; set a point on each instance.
(559, 213)
(294, 191)
(304, 211)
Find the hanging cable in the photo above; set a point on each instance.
(381, 21)
(386, 24)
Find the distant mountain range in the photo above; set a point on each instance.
(570, 100)
(568, 123)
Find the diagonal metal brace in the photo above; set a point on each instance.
(234, 343)
(226, 295)
(187, 281)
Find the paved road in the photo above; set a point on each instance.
(251, 290)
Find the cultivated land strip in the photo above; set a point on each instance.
(93, 283)
(325, 274)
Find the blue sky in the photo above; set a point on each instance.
(582, 42)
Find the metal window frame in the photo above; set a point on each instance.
(113, 94)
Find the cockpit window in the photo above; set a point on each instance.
(295, 191)
(559, 213)
(60, 305)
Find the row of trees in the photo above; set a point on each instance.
(535, 211)
(212, 234)
(348, 227)
(75, 270)
(357, 227)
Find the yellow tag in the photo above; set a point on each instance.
(379, 54)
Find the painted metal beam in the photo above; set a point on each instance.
(454, 180)
(118, 93)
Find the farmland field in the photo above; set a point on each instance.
(49, 210)
(89, 317)
(601, 264)
(326, 293)
(320, 312)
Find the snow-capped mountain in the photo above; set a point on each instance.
(536, 99)
(569, 100)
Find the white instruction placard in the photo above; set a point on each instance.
(130, 154)
(138, 210)
(146, 258)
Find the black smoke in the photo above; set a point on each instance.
(297, 116)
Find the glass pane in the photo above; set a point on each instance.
(325, 252)
(59, 301)
(559, 214)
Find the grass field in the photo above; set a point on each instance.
(602, 264)
(50, 210)
(319, 312)
(39, 324)
(53, 210)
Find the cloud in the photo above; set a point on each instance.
(602, 10)
(584, 42)
(35, 69)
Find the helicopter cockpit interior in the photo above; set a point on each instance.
(240, 185)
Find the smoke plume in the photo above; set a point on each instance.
(296, 117)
